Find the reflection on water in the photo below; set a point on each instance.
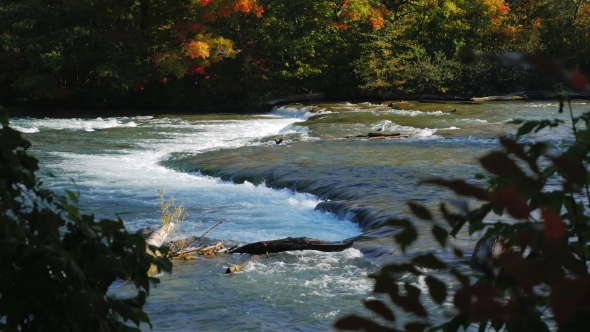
(317, 183)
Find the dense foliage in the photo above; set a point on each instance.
(199, 53)
(57, 264)
(531, 272)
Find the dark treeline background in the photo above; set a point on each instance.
(209, 54)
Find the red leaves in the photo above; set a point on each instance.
(339, 26)
(579, 81)
(461, 187)
(555, 228)
(193, 69)
(506, 198)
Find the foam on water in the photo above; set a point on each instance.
(128, 180)
(26, 130)
(36, 125)
(414, 113)
(388, 126)
(295, 112)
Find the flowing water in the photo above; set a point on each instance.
(321, 182)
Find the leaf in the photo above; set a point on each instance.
(357, 323)
(437, 289)
(384, 284)
(579, 81)
(506, 198)
(73, 197)
(452, 219)
(429, 261)
(416, 327)
(353, 323)
(458, 252)
(501, 165)
(555, 228)
(440, 234)
(461, 188)
(526, 128)
(463, 279)
(410, 302)
(378, 307)
(87, 230)
(399, 268)
(518, 150)
(406, 237)
(420, 211)
(475, 219)
(573, 168)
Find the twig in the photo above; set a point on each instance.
(209, 230)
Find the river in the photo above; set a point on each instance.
(320, 182)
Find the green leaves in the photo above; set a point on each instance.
(437, 288)
(380, 308)
(420, 211)
(534, 125)
(62, 261)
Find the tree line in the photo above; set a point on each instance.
(207, 54)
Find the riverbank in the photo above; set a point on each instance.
(71, 112)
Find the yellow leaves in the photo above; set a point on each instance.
(209, 48)
(497, 7)
(197, 49)
(450, 7)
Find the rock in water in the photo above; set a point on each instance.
(486, 255)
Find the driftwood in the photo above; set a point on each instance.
(205, 251)
(430, 101)
(155, 237)
(380, 136)
(290, 244)
(498, 98)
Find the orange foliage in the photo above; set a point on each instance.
(338, 26)
(376, 19)
(243, 6)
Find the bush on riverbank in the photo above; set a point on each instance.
(57, 263)
(531, 268)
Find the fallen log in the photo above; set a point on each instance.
(155, 237)
(290, 244)
(430, 101)
(498, 98)
(380, 136)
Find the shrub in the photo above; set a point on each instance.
(534, 274)
(57, 264)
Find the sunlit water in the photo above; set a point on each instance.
(321, 182)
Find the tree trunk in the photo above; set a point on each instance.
(155, 237)
(290, 244)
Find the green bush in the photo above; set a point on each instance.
(533, 275)
(57, 264)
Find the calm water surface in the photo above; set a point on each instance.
(322, 182)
